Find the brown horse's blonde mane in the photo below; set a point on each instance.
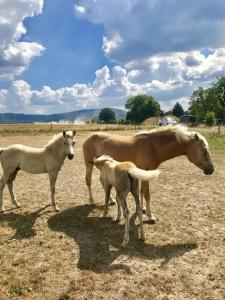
(181, 133)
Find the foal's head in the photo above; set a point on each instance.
(198, 154)
(69, 142)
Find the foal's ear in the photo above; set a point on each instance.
(64, 133)
(196, 136)
(74, 132)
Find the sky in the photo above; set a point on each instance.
(64, 55)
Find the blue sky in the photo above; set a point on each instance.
(64, 55)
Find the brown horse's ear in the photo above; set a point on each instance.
(196, 136)
(74, 132)
(64, 133)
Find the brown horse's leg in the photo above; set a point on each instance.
(89, 170)
(145, 189)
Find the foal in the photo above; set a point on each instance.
(48, 159)
(125, 178)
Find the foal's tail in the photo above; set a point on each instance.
(143, 175)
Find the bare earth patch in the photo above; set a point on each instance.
(75, 254)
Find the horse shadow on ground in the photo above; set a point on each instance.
(22, 222)
(99, 240)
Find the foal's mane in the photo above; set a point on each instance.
(181, 133)
(56, 138)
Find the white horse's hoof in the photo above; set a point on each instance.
(91, 201)
(18, 205)
(56, 209)
(2, 210)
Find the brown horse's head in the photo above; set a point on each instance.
(198, 154)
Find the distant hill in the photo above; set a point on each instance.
(78, 115)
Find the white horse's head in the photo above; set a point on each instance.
(69, 143)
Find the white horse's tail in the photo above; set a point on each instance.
(143, 175)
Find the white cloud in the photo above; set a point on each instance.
(108, 89)
(15, 55)
(139, 28)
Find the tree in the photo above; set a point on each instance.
(177, 110)
(208, 100)
(107, 116)
(141, 107)
(210, 118)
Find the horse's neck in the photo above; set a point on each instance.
(57, 150)
(168, 147)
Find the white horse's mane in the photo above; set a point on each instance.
(54, 139)
(181, 133)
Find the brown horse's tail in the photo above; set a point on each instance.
(143, 175)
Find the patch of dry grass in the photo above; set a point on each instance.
(75, 254)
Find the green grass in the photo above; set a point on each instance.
(216, 141)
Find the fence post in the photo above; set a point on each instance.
(51, 126)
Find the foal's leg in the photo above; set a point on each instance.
(118, 217)
(135, 193)
(107, 189)
(122, 198)
(89, 170)
(10, 187)
(145, 189)
(52, 178)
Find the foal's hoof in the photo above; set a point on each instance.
(151, 221)
(18, 205)
(56, 209)
(124, 245)
(112, 202)
(143, 210)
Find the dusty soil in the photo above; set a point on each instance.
(75, 254)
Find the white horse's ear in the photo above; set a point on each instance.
(196, 136)
(64, 133)
(74, 132)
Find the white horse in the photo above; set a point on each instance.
(48, 159)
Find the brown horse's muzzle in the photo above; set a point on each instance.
(208, 169)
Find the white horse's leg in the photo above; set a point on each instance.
(12, 195)
(89, 170)
(145, 188)
(11, 190)
(52, 178)
(3, 182)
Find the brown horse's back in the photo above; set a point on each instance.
(121, 148)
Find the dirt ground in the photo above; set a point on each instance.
(75, 254)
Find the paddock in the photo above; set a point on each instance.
(75, 254)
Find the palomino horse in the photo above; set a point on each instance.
(48, 159)
(147, 150)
